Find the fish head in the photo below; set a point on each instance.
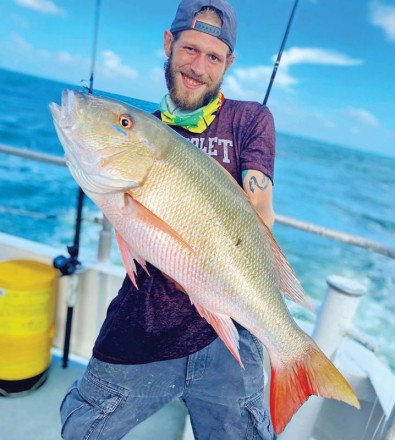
(103, 140)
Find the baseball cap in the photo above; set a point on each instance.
(185, 19)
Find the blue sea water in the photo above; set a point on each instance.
(329, 185)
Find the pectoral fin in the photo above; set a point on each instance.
(128, 258)
(137, 213)
(144, 215)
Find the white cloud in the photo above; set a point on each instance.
(362, 116)
(28, 50)
(242, 82)
(383, 16)
(19, 43)
(71, 67)
(161, 54)
(65, 57)
(20, 21)
(45, 62)
(68, 58)
(234, 89)
(157, 74)
(43, 53)
(263, 73)
(44, 6)
(316, 55)
(113, 67)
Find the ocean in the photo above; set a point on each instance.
(328, 185)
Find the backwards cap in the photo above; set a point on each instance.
(185, 19)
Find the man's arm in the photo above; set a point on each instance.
(259, 189)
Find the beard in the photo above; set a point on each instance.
(182, 99)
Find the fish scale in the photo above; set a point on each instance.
(175, 207)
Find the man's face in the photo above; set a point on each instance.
(195, 67)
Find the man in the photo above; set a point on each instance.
(154, 347)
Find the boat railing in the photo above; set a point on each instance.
(34, 155)
(311, 228)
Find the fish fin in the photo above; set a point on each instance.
(148, 216)
(289, 283)
(292, 382)
(138, 212)
(225, 329)
(128, 258)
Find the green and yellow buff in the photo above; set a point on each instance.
(196, 121)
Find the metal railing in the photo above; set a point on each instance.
(354, 240)
(34, 155)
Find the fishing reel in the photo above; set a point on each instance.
(68, 265)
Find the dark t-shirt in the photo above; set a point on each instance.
(157, 321)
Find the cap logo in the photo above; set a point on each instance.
(201, 26)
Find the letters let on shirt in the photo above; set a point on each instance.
(214, 147)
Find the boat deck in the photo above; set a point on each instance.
(35, 415)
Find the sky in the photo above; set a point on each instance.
(335, 82)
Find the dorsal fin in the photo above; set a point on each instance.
(289, 283)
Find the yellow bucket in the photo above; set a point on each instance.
(27, 323)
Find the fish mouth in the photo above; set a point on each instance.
(65, 118)
(55, 111)
(64, 115)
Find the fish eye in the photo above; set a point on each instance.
(126, 121)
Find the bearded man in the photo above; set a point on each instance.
(154, 347)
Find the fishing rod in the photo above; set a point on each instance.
(94, 46)
(280, 53)
(68, 266)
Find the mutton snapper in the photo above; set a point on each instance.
(177, 208)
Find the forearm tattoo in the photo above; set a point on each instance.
(253, 183)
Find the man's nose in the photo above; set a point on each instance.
(198, 64)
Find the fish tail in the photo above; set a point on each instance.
(310, 374)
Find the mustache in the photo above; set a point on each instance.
(190, 74)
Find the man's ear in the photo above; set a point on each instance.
(167, 42)
(229, 61)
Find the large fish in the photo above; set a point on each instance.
(175, 207)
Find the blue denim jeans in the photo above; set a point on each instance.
(224, 401)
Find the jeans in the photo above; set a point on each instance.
(224, 401)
